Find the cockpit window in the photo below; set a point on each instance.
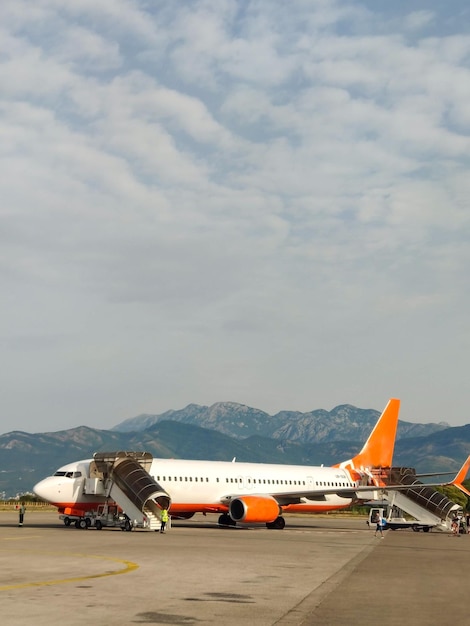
(68, 474)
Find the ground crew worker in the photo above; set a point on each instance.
(22, 509)
(163, 519)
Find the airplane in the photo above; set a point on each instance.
(249, 492)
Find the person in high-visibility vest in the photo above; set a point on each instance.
(164, 520)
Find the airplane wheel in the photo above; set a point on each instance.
(67, 521)
(226, 520)
(98, 525)
(278, 524)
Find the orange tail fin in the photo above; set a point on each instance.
(461, 475)
(378, 449)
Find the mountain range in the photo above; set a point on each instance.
(226, 430)
(240, 421)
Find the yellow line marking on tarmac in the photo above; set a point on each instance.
(129, 567)
(19, 538)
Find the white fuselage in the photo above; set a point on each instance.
(206, 486)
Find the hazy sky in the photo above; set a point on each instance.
(257, 201)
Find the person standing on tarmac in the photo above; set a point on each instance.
(376, 520)
(380, 526)
(455, 525)
(164, 520)
(21, 511)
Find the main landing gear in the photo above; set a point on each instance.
(226, 520)
(278, 523)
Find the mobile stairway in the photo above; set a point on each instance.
(422, 498)
(430, 508)
(124, 478)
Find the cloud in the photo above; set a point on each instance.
(207, 200)
(418, 19)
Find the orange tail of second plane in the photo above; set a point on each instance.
(378, 449)
(461, 475)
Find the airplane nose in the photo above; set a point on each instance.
(41, 489)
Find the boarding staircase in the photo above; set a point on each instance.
(423, 503)
(124, 477)
(427, 497)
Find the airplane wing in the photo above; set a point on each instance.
(434, 474)
(360, 492)
(319, 495)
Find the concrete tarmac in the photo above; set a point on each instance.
(317, 571)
